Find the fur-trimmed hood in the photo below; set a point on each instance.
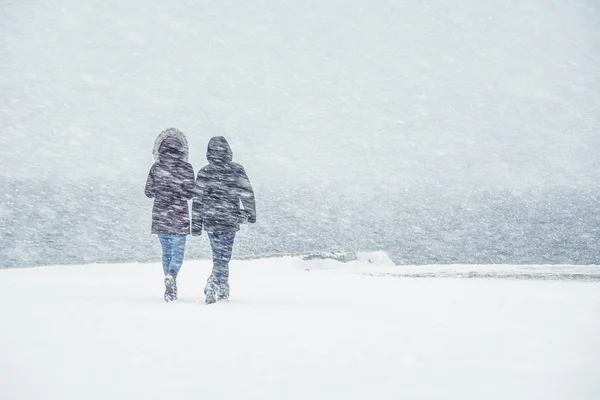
(177, 138)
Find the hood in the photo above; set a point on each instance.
(177, 145)
(219, 150)
(171, 150)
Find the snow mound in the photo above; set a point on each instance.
(377, 258)
(329, 255)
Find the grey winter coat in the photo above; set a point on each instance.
(220, 187)
(171, 184)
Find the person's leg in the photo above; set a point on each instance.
(211, 283)
(166, 241)
(227, 242)
(222, 247)
(166, 244)
(177, 254)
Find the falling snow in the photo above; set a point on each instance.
(399, 151)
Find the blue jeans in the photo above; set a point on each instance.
(221, 244)
(173, 249)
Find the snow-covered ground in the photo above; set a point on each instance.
(297, 329)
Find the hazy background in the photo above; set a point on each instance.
(439, 131)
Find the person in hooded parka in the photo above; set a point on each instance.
(171, 184)
(222, 188)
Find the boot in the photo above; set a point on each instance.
(223, 292)
(210, 291)
(170, 287)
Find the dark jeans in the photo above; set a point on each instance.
(173, 249)
(221, 244)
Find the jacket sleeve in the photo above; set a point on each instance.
(189, 184)
(150, 190)
(247, 195)
(197, 220)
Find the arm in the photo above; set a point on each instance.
(247, 195)
(197, 220)
(189, 184)
(150, 190)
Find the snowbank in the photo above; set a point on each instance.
(377, 258)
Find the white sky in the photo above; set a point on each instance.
(465, 92)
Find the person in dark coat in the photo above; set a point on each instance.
(171, 184)
(222, 188)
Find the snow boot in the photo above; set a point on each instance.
(210, 291)
(223, 292)
(170, 287)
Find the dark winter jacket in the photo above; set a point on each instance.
(171, 183)
(220, 187)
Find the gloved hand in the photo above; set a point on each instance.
(196, 227)
(245, 217)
